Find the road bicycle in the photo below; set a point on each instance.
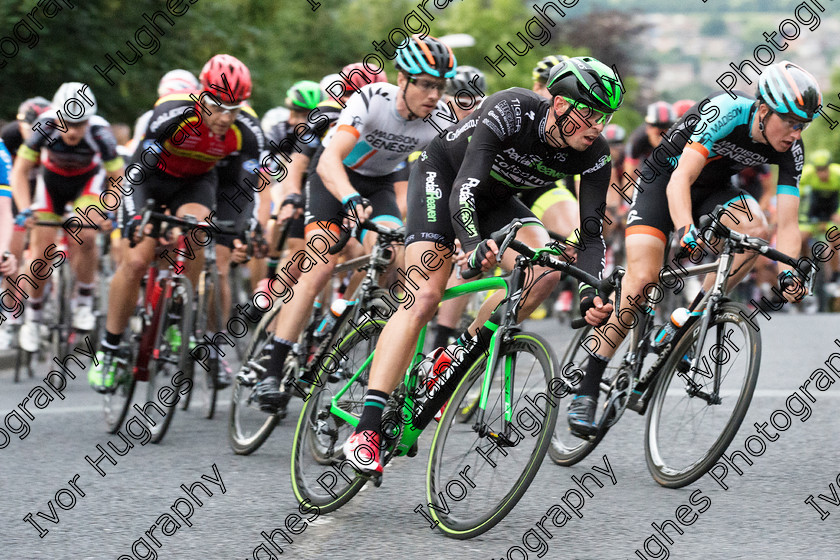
(696, 389)
(249, 426)
(476, 472)
(58, 336)
(156, 348)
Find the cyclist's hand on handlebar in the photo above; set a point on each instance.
(8, 264)
(593, 308)
(240, 251)
(483, 258)
(292, 207)
(792, 286)
(357, 206)
(689, 239)
(25, 218)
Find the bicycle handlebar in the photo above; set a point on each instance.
(386, 234)
(158, 219)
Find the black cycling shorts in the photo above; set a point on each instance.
(649, 212)
(171, 192)
(322, 206)
(429, 217)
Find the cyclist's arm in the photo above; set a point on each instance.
(592, 203)
(331, 167)
(20, 178)
(679, 187)
(6, 217)
(788, 239)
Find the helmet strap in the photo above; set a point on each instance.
(761, 127)
(558, 118)
(411, 115)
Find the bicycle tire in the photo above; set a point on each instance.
(667, 398)
(567, 449)
(243, 438)
(167, 361)
(465, 517)
(204, 383)
(117, 404)
(320, 435)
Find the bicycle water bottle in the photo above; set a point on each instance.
(669, 329)
(336, 310)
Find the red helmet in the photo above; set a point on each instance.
(681, 106)
(224, 75)
(355, 75)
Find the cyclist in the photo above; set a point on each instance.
(471, 84)
(75, 161)
(8, 263)
(380, 126)
(515, 140)
(171, 82)
(659, 117)
(191, 134)
(742, 132)
(680, 107)
(821, 188)
(13, 135)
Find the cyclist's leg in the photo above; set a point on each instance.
(646, 236)
(84, 258)
(558, 210)
(315, 272)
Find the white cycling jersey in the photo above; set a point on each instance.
(385, 139)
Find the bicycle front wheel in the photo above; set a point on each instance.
(321, 476)
(473, 479)
(691, 422)
(169, 357)
(248, 426)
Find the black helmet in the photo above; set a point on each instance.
(463, 80)
(588, 81)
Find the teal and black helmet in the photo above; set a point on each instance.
(426, 56)
(588, 81)
(304, 96)
(789, 89)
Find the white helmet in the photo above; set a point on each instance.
(176, 80)
(274, 116)
(76, 102)
(327, 80)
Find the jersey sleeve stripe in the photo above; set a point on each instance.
(362, 161)
(787, 189)
(700, 148)
(114, 164)
(349, 129)
(28, 153)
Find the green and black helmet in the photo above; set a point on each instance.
(304, 96)
(543, 68)
(588, 81)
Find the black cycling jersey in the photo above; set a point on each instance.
(502, 148)
(719, 128)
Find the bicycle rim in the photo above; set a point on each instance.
(248, 426)
(320, 474)
(685, 435)
(471, 483)
(204, 382)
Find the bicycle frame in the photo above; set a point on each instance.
(410, 431)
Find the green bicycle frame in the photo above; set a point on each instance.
(410, 433)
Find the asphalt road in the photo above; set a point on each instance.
(761, 515)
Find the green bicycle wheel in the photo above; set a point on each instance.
(473, 481)
(320, 474)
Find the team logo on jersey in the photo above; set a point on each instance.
(633, 216)
(531, 115)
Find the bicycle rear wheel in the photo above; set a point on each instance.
(567, 449)
(321, 476)
(169, 356)
(690, 424)
(248, 426)
(117, 404)
(472, 483)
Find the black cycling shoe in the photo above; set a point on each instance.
(582, 416)
(269, 396)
